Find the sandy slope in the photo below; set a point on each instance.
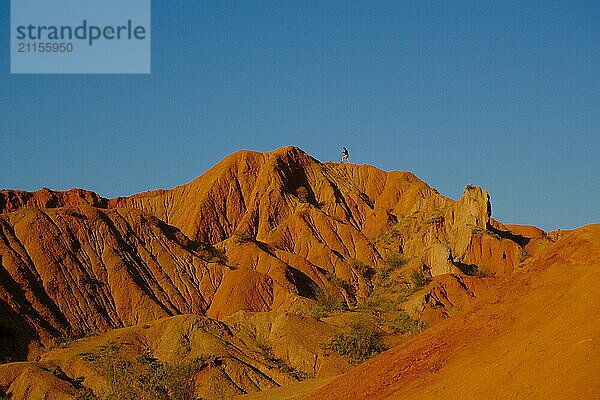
(536, 336)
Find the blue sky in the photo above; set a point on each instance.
(501, 94)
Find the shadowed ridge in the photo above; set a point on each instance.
(86, 269)
(249, 192)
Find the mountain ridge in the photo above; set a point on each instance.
(276, 234)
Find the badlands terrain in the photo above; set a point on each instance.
(276, 276)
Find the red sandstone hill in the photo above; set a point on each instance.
(258, 242)
(535, 335)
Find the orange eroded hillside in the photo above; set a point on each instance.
(256, 266)
(535, 336)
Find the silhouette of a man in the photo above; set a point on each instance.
(345, 155)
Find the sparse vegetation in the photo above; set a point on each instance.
(547, 237)
(337, 281)
(435, 220)
(4, 396)
(389, 236)
(327, 303)
(358, 343)
(376, 303)
(391, 317)
(282, 365)
(83, 393)
(361, 268)
(64, 339)
(383, 273)
(405, 294)
(405, 325)
(418, 279)
(395, 259)
(148, 379)
(146, 358)
(469, 187)
(467, 269)
(477, 230)
(172, 382)
(265, 349)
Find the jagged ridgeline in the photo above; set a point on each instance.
(262, 271)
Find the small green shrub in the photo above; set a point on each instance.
(89, 357)
(358, 344)
(318, 313)
(408, 290)
(373, 302)
(435, 220)
(418, 279)
(405, 325)
(148, 380)
(403, 296)
(265, 350)
(395, 259)
(378, 304)
(64, 339)
(361, 268)
(389, 236)
(383, 273)
(281, 364)
(170, 382)
(146, 358)
(327, 303)
(477, 230)
(337, 281)
(83, 393)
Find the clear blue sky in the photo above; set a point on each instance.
(501, 94)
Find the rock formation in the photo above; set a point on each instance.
(532, 334)
(252, 245)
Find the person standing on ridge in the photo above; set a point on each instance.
(345, 155)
